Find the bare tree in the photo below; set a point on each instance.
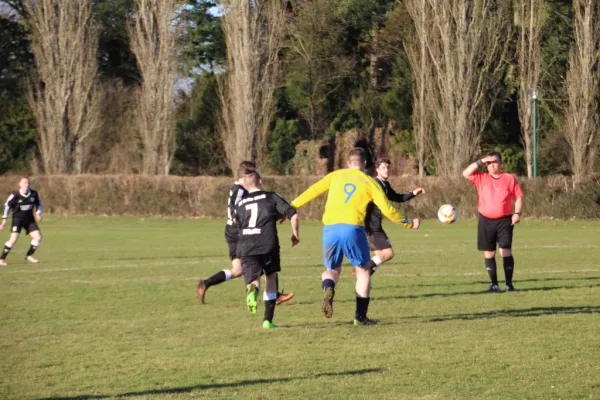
(63, 95)
(154, 33)
(581, 119)
(467, 43)
(418, 57)
(529, 20)
(253, 36)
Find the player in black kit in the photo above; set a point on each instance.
(257, 214)
(231, 237)
(377, 237)
(22, 203)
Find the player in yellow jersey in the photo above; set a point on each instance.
(350, 191)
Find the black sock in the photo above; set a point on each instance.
(509, 266)
(31, 250)
(5, 252)
(372, 267)
(217, 278)
(362, 307)
(490, 265)
(328, 283)
(269, 310)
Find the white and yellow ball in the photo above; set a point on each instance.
(447, 214)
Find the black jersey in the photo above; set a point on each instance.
(235, 195)
(257, 215)
(22, 205)
(374, 215)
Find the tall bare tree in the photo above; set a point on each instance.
(529, 20)
(467, 43)
(154, 32)
(415, 44)
(253, 35)
(63, 95)
(581, 119)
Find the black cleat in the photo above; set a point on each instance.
(365, 322)
(494, 288)
(510, 287)
(328, 302)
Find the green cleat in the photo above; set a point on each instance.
(365, 322)
(269, 325)
(251, 298)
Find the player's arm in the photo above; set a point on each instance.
(284, 208)
(394, 196)
(10, 203)
(381, 201)
(38, 208)
(314, 191)
(518, 195)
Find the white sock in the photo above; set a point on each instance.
(227, 274)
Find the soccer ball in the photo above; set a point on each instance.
(447, 214)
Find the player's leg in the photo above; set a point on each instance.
(252, 271)
(14, 235)
(505, 236)
(226, 274)
(486, 242)
(36, 238)
(356, 249)
(382, 247)
(271, 267)
(332, 259)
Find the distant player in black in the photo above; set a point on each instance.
(378, 240)
(258, 245)
(26, 208)
(231, 237)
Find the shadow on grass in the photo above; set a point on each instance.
(525, 312)
(244, 383)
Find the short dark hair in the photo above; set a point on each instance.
(357, 154)
(382, 161)
(245, 168)
(495, 153)
(252, 178)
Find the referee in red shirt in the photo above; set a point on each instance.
(496, 191)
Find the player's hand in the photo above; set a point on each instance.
(488, 159)
(416, 223)
(418, 191)
(515, 219)
(37, 217)
(3, 225)
(282, 219)
(295, 240)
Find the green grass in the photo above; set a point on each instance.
(111, 312)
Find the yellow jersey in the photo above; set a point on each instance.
(349, 193)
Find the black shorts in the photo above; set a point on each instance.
(494, 231)
(231, 237)
(254, 266)
(378, 240)
(28, 225)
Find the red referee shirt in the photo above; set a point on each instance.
(495, 195)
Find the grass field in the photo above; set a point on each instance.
(111, 312)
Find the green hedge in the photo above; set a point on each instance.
(552, 197)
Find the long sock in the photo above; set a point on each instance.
(269, 310)
(373, 264)
(509, 267)
(362, 307)
(34, 245)
(7, 248)
(490, 265)
(218, 278)
(328, 283)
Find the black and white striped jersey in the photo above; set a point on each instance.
(22, 205)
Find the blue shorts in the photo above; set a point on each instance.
(341, 240)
